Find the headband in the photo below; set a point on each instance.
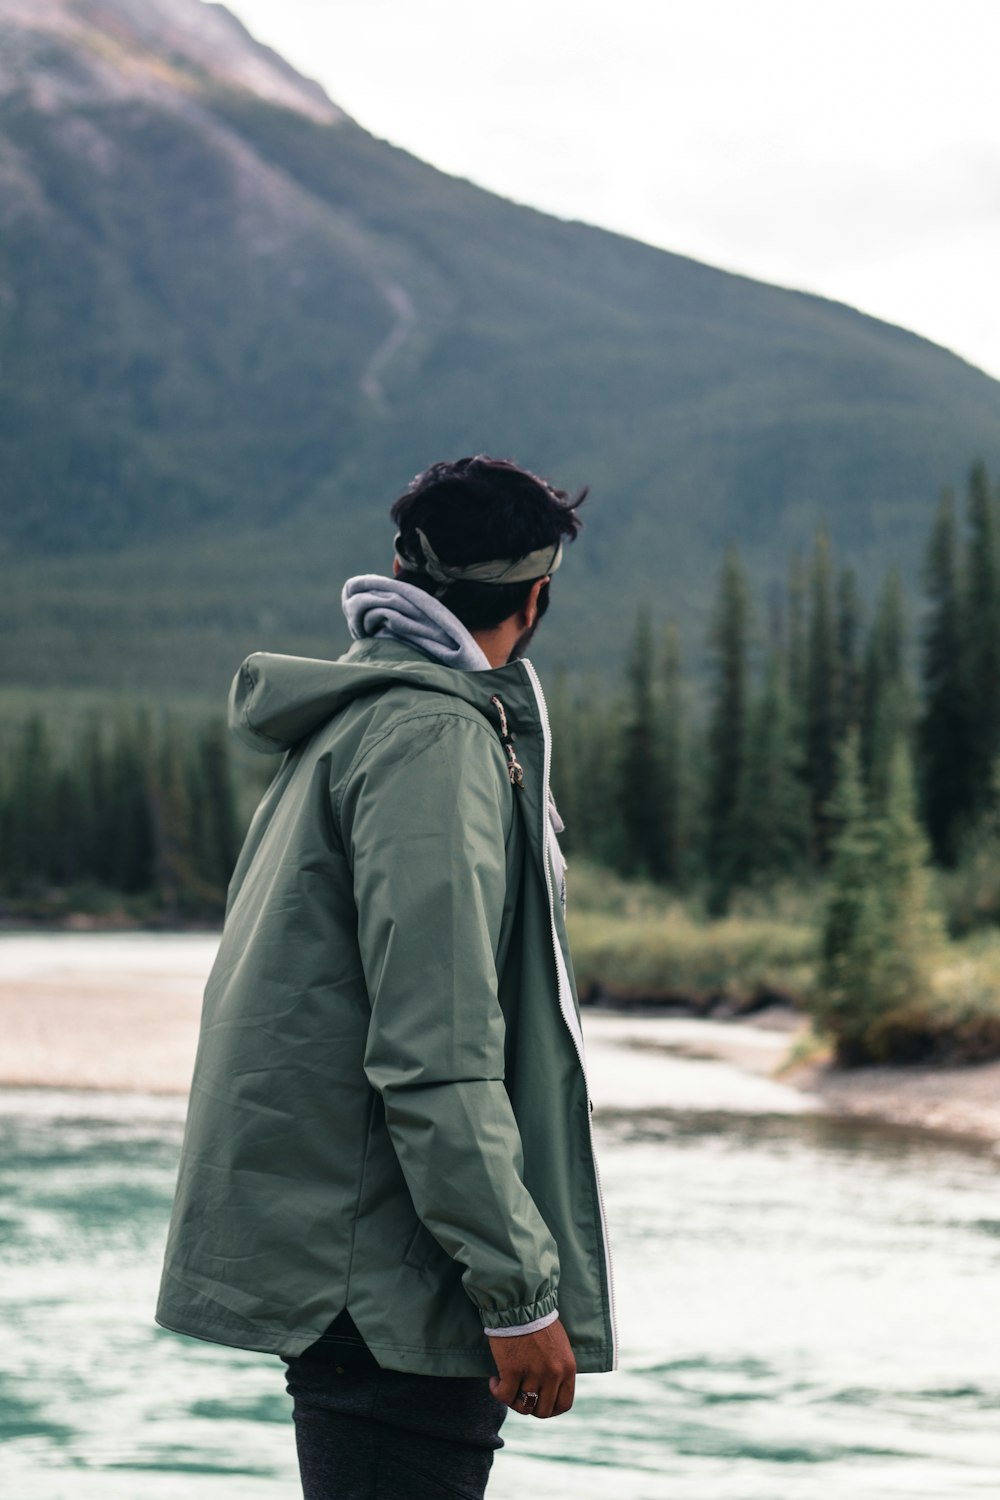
(503, 570)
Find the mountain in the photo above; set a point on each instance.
(233, 324)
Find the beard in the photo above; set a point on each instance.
(527, 636)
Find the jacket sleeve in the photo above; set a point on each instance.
(424, 816)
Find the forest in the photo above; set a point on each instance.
(738, 790)
(834, 780)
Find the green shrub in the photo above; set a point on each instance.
(878, 929)
(657, 956)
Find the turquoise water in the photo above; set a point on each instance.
(807, 1309)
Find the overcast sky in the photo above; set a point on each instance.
(848, 148)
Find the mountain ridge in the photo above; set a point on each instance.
(233, 329)
(151, 36)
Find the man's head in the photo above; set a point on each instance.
(484, 510)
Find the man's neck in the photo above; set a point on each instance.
(498, 643)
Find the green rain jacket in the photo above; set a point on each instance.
(389, 1111)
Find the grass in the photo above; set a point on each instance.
(809, 1046)
(634, 941)
(959, 1020)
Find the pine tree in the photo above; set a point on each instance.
(974, 890)
(727, 729)
(29, 834)
(797, 645)
(93, 776)
(878, 927)
(129, 820)
(946, 729)
(903, 854)
(566, 762)
(773, 822)
(849, 622)
(640, 795)
(822, 688)
(216, 835)
(68, 857)
(886, 699)
(844, 996)
(590, 735)
(982, 613)
(178, 807)
(672, 755)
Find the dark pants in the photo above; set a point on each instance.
(364, 1433)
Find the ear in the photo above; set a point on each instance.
(530, 608)
(396, 569)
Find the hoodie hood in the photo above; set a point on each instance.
(276, 701)
(387, 607)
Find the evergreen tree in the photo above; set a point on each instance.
(672, 757)
(727, 729)
(178, 806)
(849, 622)
(974, 887)
(797, 662)
(30, 834)
(142, 815)
(823, 689)
(946, 729)
(93, 776)
(590, 740)
(773, 822)
(641, 788)
(798, 649)
(215, 836)
(878, 928)
(902, 856)
(130, 828)
(68, 859)
(564, 716)
(886, 706)
(849, 953)
(982, 573)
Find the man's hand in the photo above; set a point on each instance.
(541, 1362)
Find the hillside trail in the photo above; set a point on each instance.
(405, 312)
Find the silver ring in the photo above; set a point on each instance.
(531, 1396)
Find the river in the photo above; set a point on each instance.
(808, 1307)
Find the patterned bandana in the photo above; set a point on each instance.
(533, 565)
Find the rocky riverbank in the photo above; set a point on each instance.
(120, 1012)
(957, 1101)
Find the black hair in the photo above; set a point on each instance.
(474, 510)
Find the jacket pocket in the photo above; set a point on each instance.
(422, 1248)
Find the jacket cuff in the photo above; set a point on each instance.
(511, 1321)
(533, 1327)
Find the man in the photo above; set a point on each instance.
(387, 1175)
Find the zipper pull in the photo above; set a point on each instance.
(514, 768)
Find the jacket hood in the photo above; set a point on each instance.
(276, 701)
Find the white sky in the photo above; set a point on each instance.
(846, 147)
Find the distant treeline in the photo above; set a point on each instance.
(741, 792)
(706, 798)
(144, 810)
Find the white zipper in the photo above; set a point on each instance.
(566, 1005)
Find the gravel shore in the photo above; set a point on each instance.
(953, 1101)
(121, 1014)
(116, 1012)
